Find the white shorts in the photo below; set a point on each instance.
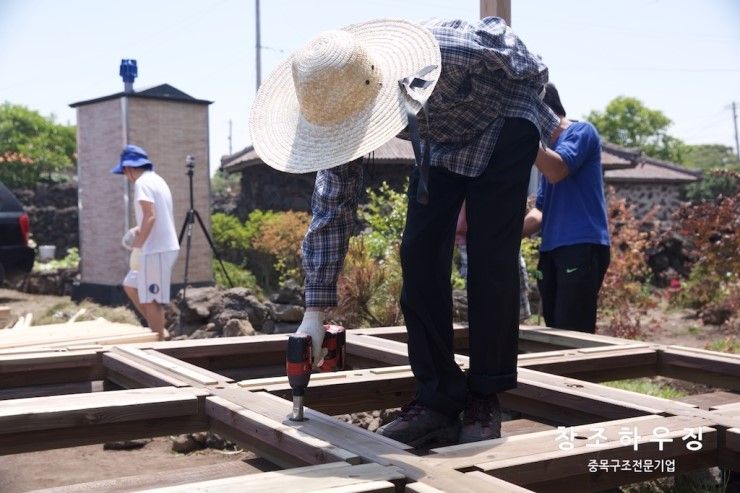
(152, 280)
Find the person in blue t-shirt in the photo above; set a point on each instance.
(570, 212)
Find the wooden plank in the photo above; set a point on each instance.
(264, 430)
(306, 479)
(79, 410)
(16, 443)
(347, 391)
(383, 351)
(318, 424)
(567, 338)
(47, 367)
(371, 447)
(595, 364)
(719, 370)
(181, 476)
(182, 370)
(522, 427)
(130, 369)
(729, 455)
(711, 399)
(190, 369)
(48, 390)
(605, 401)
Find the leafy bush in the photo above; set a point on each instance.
(239, 276)
(713, 286)
(228, 232)
(385, 215)
(369, 288)
(281, 234)
(530, 250)
(70, 261)
(623, 299)
(715, 183)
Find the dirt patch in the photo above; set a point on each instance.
(60, 467)
(22, 303)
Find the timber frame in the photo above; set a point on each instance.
(49, 398)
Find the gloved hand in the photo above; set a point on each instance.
(313, 325)
(134, 261)
(128, 239)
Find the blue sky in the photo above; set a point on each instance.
(678, 56)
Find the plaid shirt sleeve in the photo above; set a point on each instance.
(334, 205)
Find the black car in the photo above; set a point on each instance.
(16, 256)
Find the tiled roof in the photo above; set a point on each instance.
(164, 92)
(648, 170)
(400, 151)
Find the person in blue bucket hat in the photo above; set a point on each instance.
(153, 241)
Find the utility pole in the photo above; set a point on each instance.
(229, 137)
(496, 8)
(734, 121)
(258, 57)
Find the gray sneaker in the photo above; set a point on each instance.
(481, 420)
(418, 425)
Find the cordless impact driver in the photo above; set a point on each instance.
(299, 358)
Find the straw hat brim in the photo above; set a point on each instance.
(286, 141)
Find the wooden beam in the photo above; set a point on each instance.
(336, 477)
(260, 430)
(124, 370)
(721, 370)
(18, 369)
(62, 421)
(596, 364)
(370, 446)
(180, 476)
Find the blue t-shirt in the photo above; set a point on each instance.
(574, 209)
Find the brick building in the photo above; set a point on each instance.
(169, 125)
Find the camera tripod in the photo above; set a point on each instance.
(187, 228)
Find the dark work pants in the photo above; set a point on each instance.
(569, 288)
(495, 203)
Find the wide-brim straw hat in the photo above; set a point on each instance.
(338, 98)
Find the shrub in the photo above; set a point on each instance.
(715, 183)
(70, 261)
(385, 215)
(239, 276)
(228, 232)
(281, 234)
(622, 299)
(711, 229)
(369, 288)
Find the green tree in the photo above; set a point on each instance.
(708, 156)
(33, 146)
(628, 122)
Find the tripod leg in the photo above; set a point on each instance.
(213, 248)
(187, 226)
(188, 220)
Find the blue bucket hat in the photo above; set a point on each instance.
(132, 156)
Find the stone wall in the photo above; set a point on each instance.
(644, 197)
(52, 212)
(267, 189)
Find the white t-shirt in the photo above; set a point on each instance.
(150, 187)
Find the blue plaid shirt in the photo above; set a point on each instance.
(487, 74)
